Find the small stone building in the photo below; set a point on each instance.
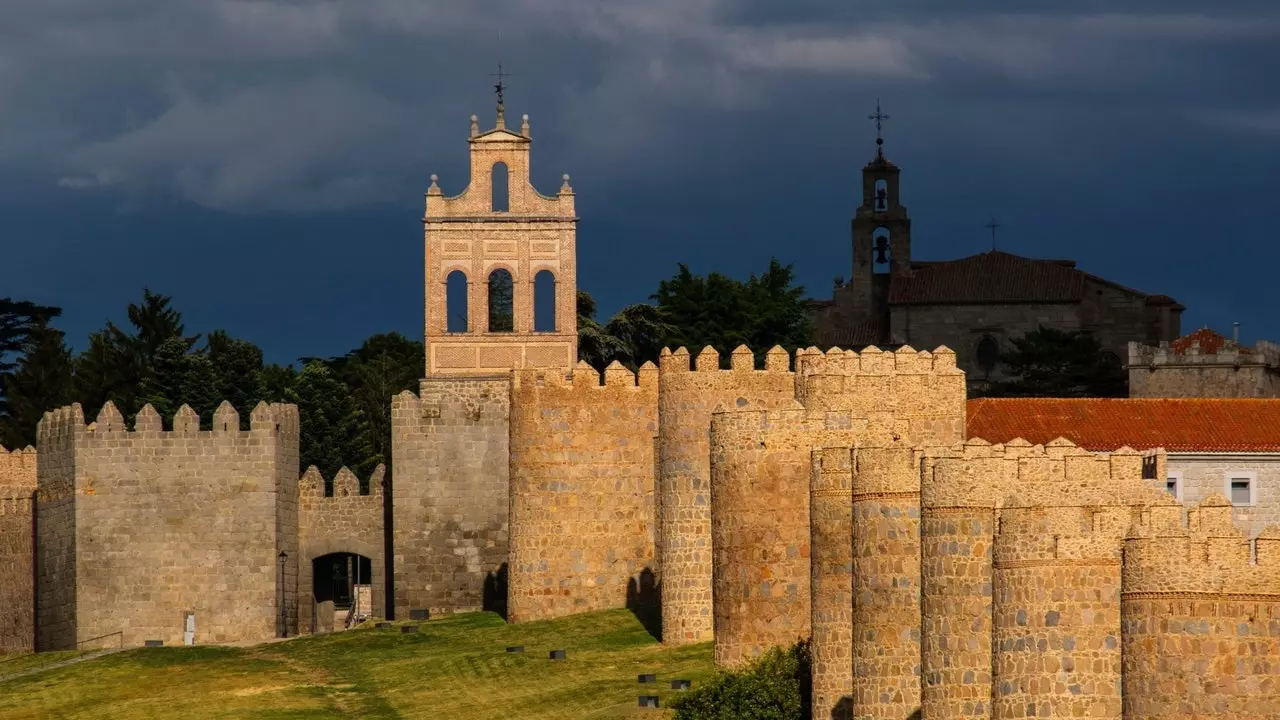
(974, 305)
(1204, 363)
(1228, 447)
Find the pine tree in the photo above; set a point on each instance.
(335, 432)
(40, 380)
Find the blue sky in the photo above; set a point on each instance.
(264, 161)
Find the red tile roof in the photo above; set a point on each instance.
(1104, 424)
(990, 277)
(1210, 343)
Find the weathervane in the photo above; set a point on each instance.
(992, 227)
(500, 85)
(879, 117)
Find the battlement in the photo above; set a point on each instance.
(585, 377)
(742, 359)
(18, 470)
(1020, 474)
(313, 489)
(1205, 553)
(1263, 353)
(872, 360)
(59, 426)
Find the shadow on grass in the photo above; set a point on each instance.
(494, 598)
(644, 600)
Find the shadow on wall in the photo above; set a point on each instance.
(495, 592)
(844, 710)
(645, 602)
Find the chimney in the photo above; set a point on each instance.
(1235, 333)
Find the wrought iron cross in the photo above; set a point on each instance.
(992, 227)
(500, 86)
(879, 117)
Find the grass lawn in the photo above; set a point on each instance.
(455, 667)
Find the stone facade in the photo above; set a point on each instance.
(1204, 364)
(450, 494)
(975, 305)
(1199, 476)
(469, 233)
(347, 521)
(137, 527)
(17, 552)
(582, 467)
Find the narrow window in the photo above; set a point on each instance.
(881, 196)
(544, 302)
(1173, 485)
(881, 247)
(500, 187)
(501, 301)
(455, 302)
(988, 354)
(1240, 489)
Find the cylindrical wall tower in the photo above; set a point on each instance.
(686, 398)
(831, 562)
(759, 532)
(886, 583)
(1201, 621)
(1057, 613)
(957, 528)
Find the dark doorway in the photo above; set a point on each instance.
(335, 576)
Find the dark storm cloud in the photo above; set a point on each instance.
(265, 105)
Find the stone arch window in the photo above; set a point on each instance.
(455, 302)
(500, 187)
(880, 196)
(988, 354)
(544, 301)
(881, 246)
(502, 317)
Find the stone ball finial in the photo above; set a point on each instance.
(566, 177)
(475, 118)
(434, 177)
(525, 117)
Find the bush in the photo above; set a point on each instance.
(773, 687)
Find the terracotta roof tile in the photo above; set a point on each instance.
(1209, 342)
(1104, 424)
(990, 277)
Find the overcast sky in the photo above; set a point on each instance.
(263, 161)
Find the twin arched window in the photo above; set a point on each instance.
(501, 288)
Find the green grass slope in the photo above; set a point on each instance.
(455, 667)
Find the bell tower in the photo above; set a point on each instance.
(501, 267)
(881, 229)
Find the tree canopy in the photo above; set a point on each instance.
(1058, 363)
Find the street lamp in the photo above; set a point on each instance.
(284, 619)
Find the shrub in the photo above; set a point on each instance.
(773, 687)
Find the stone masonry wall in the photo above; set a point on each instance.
(582, 490)
(1201, 628)
(17, 553)
(831, 564)
(685, 400)
(59, 433)
(963, 503)
(1157, 371)
(1205, 476)
(170, 522)
(449, 495)
(345, 522)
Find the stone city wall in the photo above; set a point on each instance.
(449, 489)
(17, 552)
(582, 491)
(1233, 371)
(146, 525)
(345, 521)
(686, 398)
(1201, 617)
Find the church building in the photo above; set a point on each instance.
(974, 305)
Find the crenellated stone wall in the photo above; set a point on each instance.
(450, 506)
(346, 521)
(17, 551)
(582, 491)
(138, 527)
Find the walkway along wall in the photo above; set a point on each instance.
(347, 521)
(137, 527)
(582, 491)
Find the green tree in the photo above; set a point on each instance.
(382, 367)
(40, 380)
(1057, 363)
(237, 372)
(596, 346)
(19, 319)
(775, 686)
(334, 433)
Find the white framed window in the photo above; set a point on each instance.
(1241, 487)
(1173, 484)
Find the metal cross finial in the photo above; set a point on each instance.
(992, 227)
(879, 117)
(500, 86)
